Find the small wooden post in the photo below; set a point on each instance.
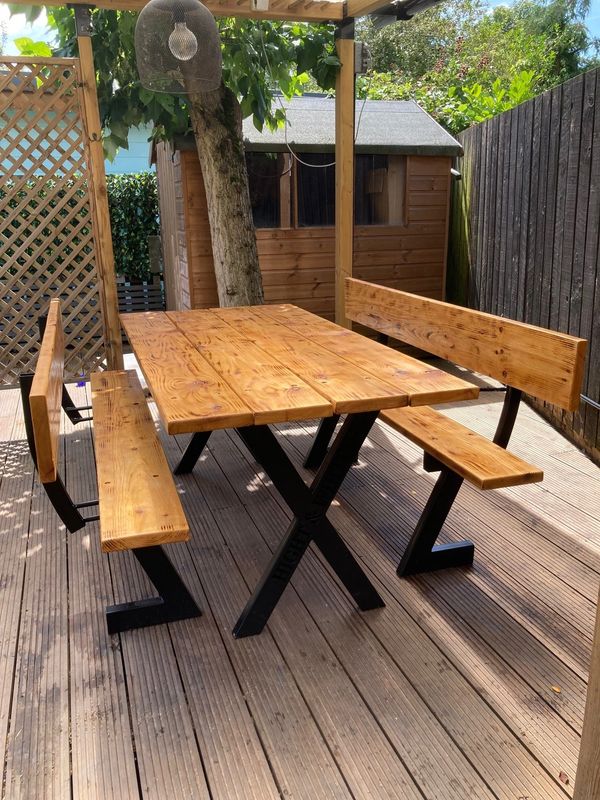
(587, 782)
(344, 166)
(98, 194)
(285, 191)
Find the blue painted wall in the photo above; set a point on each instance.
(136, 158)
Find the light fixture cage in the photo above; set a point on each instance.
(158, 68)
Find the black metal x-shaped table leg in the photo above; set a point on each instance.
(309, 506)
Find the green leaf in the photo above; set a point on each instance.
(27, 47)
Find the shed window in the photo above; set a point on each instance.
(315, 190)
(296, 195)
(264, 171)
(379, 189)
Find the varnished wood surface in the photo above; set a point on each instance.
(139, 504)
(475, 458)
(544, 363)
(308, 10)
(190, 394)
(46, 394)
(423, 382)
(218, 368)
(485, 701)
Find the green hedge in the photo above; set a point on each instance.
(133, 203)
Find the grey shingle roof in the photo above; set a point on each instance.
(386, 126)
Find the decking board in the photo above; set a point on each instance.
(446, 693)
(464, 713)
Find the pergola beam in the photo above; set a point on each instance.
(398, 9)
(300, 10)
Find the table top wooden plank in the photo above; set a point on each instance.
(229, 367)
(423, 383)
(350, 388)
(274, 392)
(190, 395)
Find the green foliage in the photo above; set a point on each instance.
(260, 58)
(133, 204)
(27, 47)
(457, 106)
(464, 63)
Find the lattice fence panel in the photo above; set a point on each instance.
(46, 242)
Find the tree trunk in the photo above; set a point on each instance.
(217, 123)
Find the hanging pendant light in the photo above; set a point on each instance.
(177, 47)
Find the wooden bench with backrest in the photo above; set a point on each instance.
(526, 358)
(139, 508)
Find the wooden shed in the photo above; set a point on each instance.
(402, 189)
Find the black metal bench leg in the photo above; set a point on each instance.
(421, 554)
(320, 444)
(173, 603)
(310, 506)
(192, 453)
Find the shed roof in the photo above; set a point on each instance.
(384, 126)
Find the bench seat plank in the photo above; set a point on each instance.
(139, 504)
(470, 455)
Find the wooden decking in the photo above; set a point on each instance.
(469, 684)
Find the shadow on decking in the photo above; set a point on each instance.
(470, 683)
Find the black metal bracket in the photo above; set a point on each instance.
(58, 495)
(345, 29)
(192, 453)
(174, 601)
(83, 19)
(309, 506)
(422, 554)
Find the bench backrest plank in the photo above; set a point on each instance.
(139, 504)
(546, 364)
(46, 394)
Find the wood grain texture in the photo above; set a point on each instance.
(470, 455)
(423, 383)
(535, 258)
(344, 173)
(42, 103)
(307, 11)
(348, 387)
(274, 391)
(105, 263)
(139, 504)
(546, 364)
(190, 394)
(46, 394)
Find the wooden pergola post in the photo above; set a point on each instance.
(344, 166)
(587, 782)
(107, 284)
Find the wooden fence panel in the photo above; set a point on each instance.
(525, 227)
(47, 247)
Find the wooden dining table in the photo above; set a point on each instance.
(247, 368)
